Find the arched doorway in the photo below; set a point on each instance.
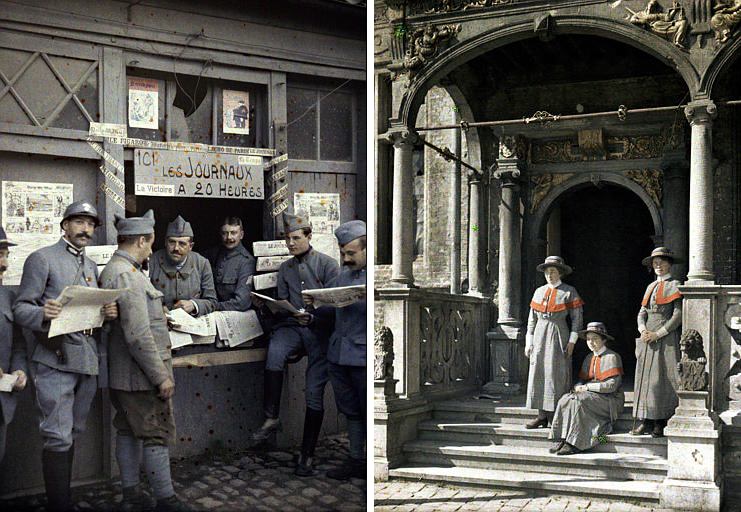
(604, 233)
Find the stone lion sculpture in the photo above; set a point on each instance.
(383, 345)
(691, 367)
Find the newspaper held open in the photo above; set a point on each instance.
(81, 309)
(277, 305)
(336, 297)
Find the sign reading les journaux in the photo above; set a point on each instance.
(192, 174)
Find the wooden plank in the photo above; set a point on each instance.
(46, 146)
(187, 67)
(250, 355)
(30, 43)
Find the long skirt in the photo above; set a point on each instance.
(550, 367)
(656, 378)
(581, 418)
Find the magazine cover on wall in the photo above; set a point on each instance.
(236, 112)
(323, 211)
(143, 103)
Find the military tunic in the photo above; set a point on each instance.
(581, 418)
(231, 270)
(310, 270)
(656, 377)
(12, 358)
(347, 349)
(140, 356)
(550, 367)
(64, 390)
(193, 281)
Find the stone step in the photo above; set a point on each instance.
(588, 486)
(622, 466)
(489, 411)
(515, 434)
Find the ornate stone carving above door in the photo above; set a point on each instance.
(651, 180)
(542, 184)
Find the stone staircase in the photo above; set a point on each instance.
(484, 442)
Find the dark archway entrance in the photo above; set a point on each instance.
(605, 232)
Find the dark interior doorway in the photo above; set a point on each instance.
(605, 232)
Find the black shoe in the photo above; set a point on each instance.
(643, 428)
(658, 430)
(556, 447)
(351, 468)
(304, 466)
(172, 504)
(537, 422)
(268, 428)
(568, 449)
(134, 500)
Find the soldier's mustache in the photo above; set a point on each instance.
(83, 235)
(3, 269)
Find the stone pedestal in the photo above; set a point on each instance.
(693, 480)
(504, 349)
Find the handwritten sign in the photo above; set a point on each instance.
(196, 174)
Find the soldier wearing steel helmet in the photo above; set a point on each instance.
(64, 368)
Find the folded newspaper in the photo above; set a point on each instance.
(81, 309)
(234, 328)
(277, 305)
(7, 381)
(336, 297)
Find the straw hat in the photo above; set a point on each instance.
(597, 328)
(557, 262)
(664, 252)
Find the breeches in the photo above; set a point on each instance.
(348, 383)
(145, 416)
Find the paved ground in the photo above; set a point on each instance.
(427, 497)
(239, 482)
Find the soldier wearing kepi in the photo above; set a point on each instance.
(141, 377)
(182, 275)
(347, 349)
(232, 266)
(64, 368)
(12, 346)
(308, 269)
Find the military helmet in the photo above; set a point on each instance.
(81, 209)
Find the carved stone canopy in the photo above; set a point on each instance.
(423, 44)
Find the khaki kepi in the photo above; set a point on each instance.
(663, 252)
(294, 223)
(557, 262)
(132, 226)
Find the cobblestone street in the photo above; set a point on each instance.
(239, 482)
(428, 497)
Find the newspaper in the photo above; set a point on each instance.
(336, 297)
(180, 339)
(81, 309)
(271, 263)
(323, 210)
(270, 248)
(183, 322)
(277, 305)
(265, 281)
(237, 327)
(7, 381)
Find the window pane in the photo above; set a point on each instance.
(191, 111)
(336, 127)
(301, 124)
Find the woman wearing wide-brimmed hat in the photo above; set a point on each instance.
(657, 350)
(586, 414)
(550, 339)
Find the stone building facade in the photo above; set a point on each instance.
(593, 131)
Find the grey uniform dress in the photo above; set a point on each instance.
(656, 363)
(12, 358)
(64, 389)
(549, 377)
(232, 269)
(193, 281)
(581, 418)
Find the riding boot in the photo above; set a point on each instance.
(55, 468)
(271, 405)
(312, 428)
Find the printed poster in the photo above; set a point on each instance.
(323, 211)
(31, 216)
(143, 103)
(236, 112)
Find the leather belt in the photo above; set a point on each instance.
(88, 332)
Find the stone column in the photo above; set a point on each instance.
(475, 232)
(700, 115)
(504, 342)
(454, 216)
(402, 251)
(676, 209)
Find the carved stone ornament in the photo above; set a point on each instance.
(592, 144)
(447, 6)
(553, 151)
(512, 146)
(542, 184)
(691, 367)
(651, 180)
(639, 146)
(383, 346)
(725, 20)
(671, 24)
(423, 45)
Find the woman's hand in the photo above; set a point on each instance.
(649, 336)
(580, 388)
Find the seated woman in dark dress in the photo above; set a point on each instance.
(588, 412)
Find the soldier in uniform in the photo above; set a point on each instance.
(657, 351)
(12, 346)
(347, 349)
(64, 368)
(307, 269)
(232, 266)
(141, 376)
(183, 276)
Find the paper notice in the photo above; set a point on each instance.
(100, 254)
(81, 309)
(182, 321)
(143, 103)
(270, 248)
(237, 327)
(323, 210)
(336, 297)
(236, 112)
(265, 281)
(276, 305)
(7, 381)
(271, 263)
